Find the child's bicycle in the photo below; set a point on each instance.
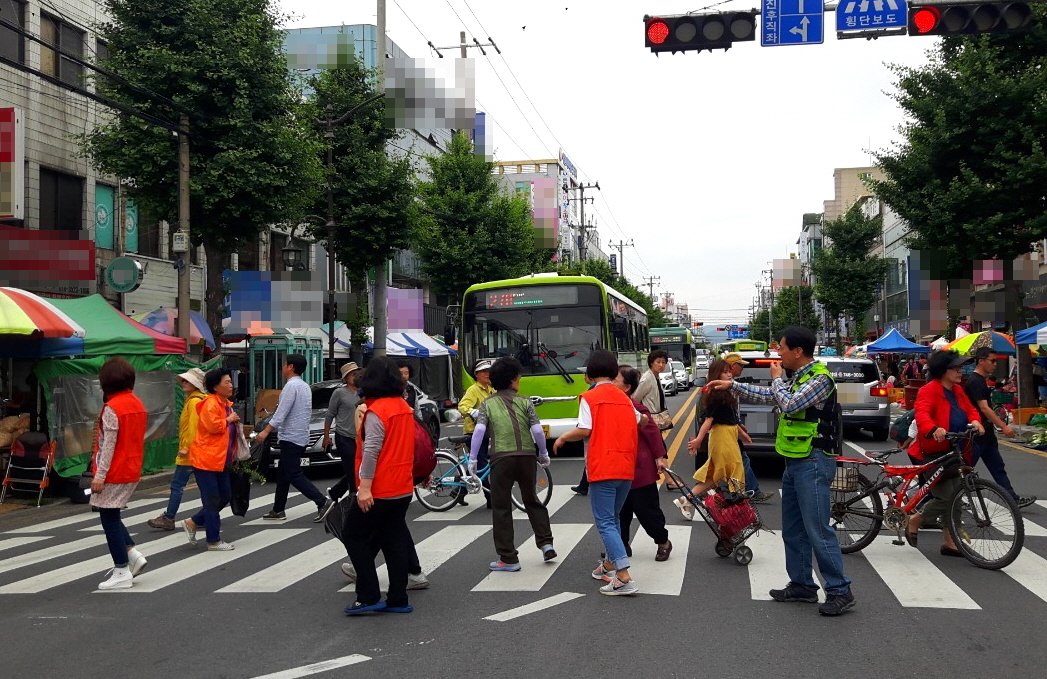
(451, 479)
(983, 518)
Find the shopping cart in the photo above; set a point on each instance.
(732, 518)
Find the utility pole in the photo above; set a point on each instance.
(649, 282)
(581, 248)
(185, 271)
(463, 45)
(621, 245)
(380, 311)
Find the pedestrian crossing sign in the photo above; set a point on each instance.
(863, 15)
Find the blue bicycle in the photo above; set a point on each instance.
(451, 479)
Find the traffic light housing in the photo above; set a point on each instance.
(968, 19)
(697, 32)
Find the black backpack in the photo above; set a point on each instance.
(900, 427)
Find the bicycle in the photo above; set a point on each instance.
(451, 479)
(983, 518)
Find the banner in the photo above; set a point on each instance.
(12, 164)
(131, 226)
(104, 216)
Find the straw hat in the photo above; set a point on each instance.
(348, 368)
(195, 377)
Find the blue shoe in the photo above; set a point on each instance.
(359, 608)
(502, 566)
(398, 609)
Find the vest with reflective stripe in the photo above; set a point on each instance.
(126, 466)
(802, 431)
(613, 441)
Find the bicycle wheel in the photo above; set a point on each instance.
(441, 490)
(857, 519)
(543, 487)
(985, 523)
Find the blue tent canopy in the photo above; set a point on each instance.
(892, 342)
(1034, 335)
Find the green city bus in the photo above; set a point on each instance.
(551, 324)
(678, 343)
(740, 345)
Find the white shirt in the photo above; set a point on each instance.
(585, 416)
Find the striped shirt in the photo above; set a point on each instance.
(810, 394)
(291, 419)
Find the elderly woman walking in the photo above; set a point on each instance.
(117, 467)
(210, 455)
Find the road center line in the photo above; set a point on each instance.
(317, 667)
(539, 605)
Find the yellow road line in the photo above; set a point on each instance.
(1024, 449)
(683, 409)
(675, 447)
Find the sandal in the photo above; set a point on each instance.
(946, 551)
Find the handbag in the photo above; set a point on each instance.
(663, 420)
(241, 451)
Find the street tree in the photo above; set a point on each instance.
(253, 163)
(792, 306)
(969, 171)
(846, 274)
(470, 230)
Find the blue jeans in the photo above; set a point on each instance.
(116, 536)
(181, 477)
(751, 482)
(987, 449)
(805, 523)
(214, 493)
(607, 499)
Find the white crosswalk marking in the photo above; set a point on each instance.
(1029, 571)
(95, 567)
(912, 578)
(535, 572)
(84, 517)
(205, 561)
(286, 573)
(292, 513)
(11, 543)
(665, 577)
(52, 552)
(561, 494)
(457, 512)
(1032, 529)
(142, 517)
(767, 569)
(185, 509)
(435, 550)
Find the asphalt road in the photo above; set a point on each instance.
(274, 605)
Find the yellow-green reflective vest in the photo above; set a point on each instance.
(804, 430)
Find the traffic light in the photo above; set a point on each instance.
(697, 32)
(984, 17)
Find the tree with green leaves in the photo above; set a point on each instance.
(846, 275)
(969, 171)
(253, 163)
(792, 306)
(471, 230)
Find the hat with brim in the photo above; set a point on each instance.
(348, 368)
(958, 360)
(195, 377)
(483, 364)
(735, 358)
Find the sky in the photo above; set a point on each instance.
(706, 161)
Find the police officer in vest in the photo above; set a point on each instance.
(808, 439)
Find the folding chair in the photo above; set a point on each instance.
(29, 468)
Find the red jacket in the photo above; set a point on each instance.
(613, 441)
(932, 411)
(126, 465)
(650, 448)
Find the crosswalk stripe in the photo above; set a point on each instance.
(192, 506)
(767, 569)
(286, 573)
(535, 572)
(534, 607)
(91, 567)
(1028, 570)
(665, 577)
(52, 552)
(292, 513)
(561, 494)
(1042, 503)
(205, 561)
(435, 550)
(455, 513)
(84, 517)
(316, 668)
(1032, 529)
(912, 578)
(11, 543)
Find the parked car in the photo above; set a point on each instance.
(863, 400)
(667, 378)
(315, 454)
(683, 379)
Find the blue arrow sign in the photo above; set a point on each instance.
(792, 22)
(863, 15)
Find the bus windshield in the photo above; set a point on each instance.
(546, 340)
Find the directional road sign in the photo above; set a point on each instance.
(863, 15)
(792, 22)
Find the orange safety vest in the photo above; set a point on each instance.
(394, 473)
(613, 441)
(126, 465)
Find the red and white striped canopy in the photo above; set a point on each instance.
(23, 313)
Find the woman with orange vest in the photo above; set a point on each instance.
(117, 467)
(607, 416)
(210, 456)
(385, 482)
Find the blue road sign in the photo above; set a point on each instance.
(863, 15)
(792, 22)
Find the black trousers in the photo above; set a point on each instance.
(346, 446)
(643, 502)
(505, 472)
(289, 473)
(385, 524)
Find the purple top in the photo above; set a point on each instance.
(651, 447)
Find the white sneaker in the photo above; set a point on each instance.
(349, 571)
(222, 546)
(418, 581)
(135, 562)
(119, 578)
(686, 508)
(618, 588)
(189, 532)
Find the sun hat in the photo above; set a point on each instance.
(195, 377)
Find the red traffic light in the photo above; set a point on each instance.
(657, 31)
(926, 19)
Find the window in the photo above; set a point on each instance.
(523, 190)
(12, 45)
(71, 40)
(61, 201)
(148, 233)
(101, 52)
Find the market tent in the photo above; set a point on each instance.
(1034, 335)
(434, 364)
(892, 342)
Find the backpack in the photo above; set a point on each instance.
(424, 453)
(900, 427)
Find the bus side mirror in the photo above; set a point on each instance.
(449, 337)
